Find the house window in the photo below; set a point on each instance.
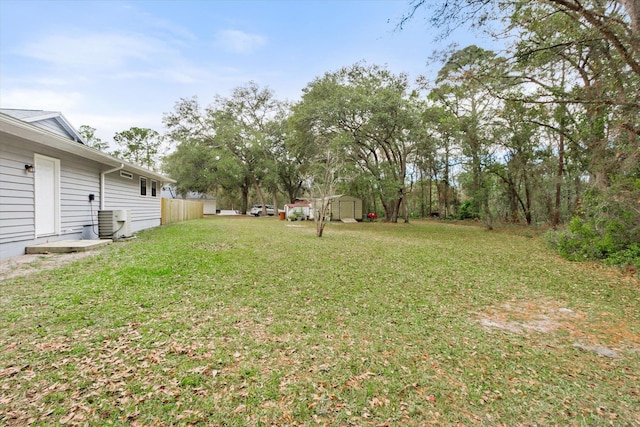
(127, 175)
(154, 188)
(143, 186)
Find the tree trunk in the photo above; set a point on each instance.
(633, 9)
(260, 197)
(274, 197)
(396, 210)
(527, 195)
(245, 199)
(559, 176)
(513, 202)
(430, 195)
(405, 209)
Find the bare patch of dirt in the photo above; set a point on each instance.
(519, 317)
(547, 317)
(24, 265)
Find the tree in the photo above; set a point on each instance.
(140, 146)
(369, 111)
(579, 63)
(323, 179)
(197, 167)
(249, 125)
(89, 135)
(460, 90)
(245, 132)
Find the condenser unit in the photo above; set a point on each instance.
(114, 224)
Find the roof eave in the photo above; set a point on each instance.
(27, 131)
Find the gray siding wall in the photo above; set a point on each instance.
(124, 193)
(79, 177)
(52, 125)
(17, 214)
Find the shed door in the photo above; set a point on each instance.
(47, 195)
(347, 209)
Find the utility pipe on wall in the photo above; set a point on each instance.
(102, 179)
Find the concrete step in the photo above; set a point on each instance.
(67, 246)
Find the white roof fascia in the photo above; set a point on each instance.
(28, 131)
(69, 127)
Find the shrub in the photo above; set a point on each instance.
(607, 228)
(629, 257)
(469, 210)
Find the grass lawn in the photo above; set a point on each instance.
(254, 321)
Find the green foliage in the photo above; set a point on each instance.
(630, 256)
(469, 210)
(607, 229)
(579, 242)
(141, 146)
(369, 117)
(236, 144)
(88, 133)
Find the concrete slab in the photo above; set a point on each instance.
(349, 220)
(67, 246)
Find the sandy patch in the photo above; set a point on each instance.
(24, 265)
(597, 334)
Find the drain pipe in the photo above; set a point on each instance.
(102, 179)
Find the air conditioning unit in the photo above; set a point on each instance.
(114, 224)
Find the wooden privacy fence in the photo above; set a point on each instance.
(175, 210)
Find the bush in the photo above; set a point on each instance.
(579, 242)
(629, 257)
(606, 229)
(469, 210)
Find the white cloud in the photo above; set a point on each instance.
(239, 41)
(41, 99)
(175, 73)
(93, 51)
(111, 56)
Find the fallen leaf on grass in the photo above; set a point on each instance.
(188, 413)
(67, 418)
(11, 371)
(378, 402)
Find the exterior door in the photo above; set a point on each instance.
(47, 195)
(347, 209)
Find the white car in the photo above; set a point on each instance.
(256, 210)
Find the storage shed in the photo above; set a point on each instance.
(299, 210)
(345, 207)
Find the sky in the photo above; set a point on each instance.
(117, 64)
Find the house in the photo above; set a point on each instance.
(52, 185)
